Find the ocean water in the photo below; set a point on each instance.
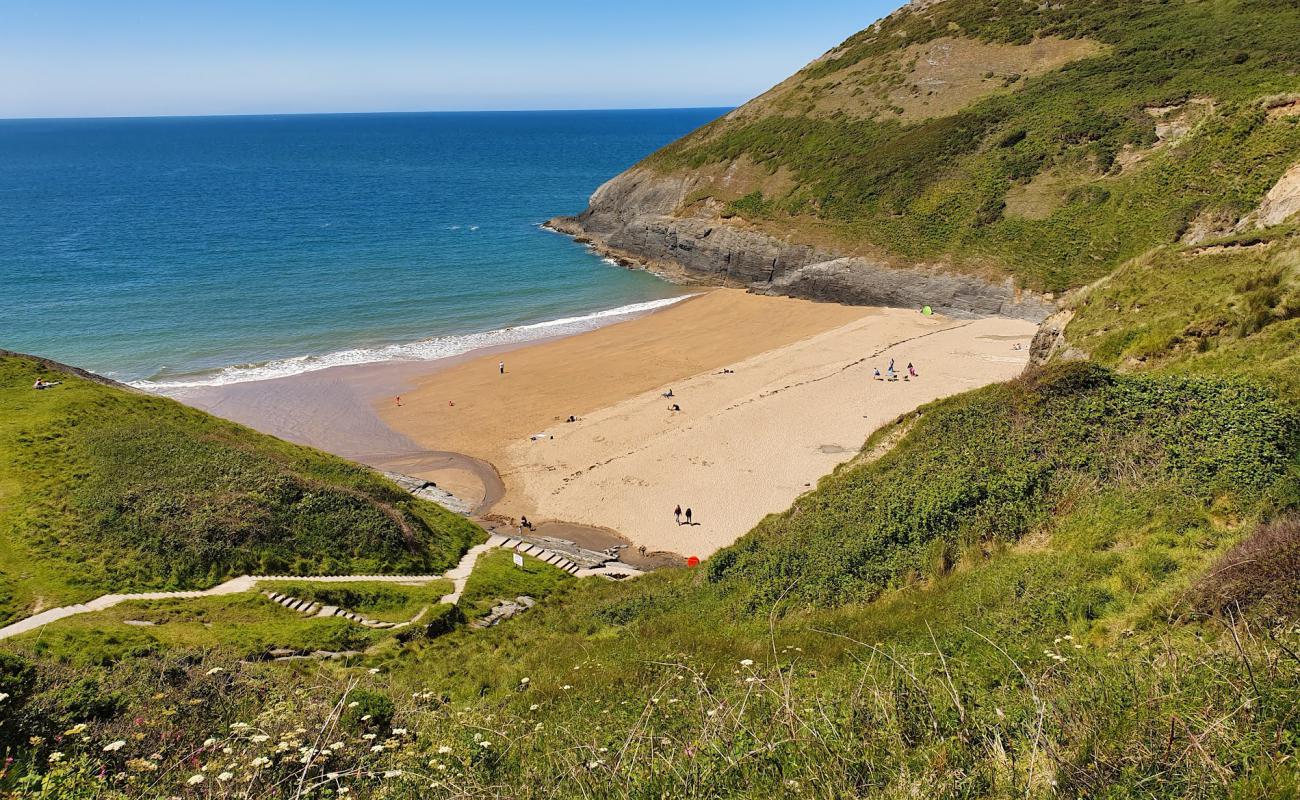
(192, 251)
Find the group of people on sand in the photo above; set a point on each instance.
(44, 384)
(678, 513)
(891, 374)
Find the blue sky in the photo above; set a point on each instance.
(148, 57)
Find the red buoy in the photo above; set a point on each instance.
(693, 561)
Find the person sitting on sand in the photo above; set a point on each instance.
(677, 515)
(524, 523)
(877, 375)
(674, 407)
(668, 393)
(911, 370)
(688, 516)
(571, 419)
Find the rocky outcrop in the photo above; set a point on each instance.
(1281, 203)
(635, 219)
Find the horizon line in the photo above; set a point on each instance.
(72, 118)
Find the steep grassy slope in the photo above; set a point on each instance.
(1051, 142)
(106, 490)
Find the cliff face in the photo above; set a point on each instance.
(634, 219)
(981, 157)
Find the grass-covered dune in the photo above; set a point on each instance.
(107, 490)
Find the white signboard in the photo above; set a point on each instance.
(519, 561)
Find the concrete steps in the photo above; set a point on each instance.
(309, 608)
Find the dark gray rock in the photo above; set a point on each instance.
(631, 218)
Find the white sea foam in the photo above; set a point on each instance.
(424, 350)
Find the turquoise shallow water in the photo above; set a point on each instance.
(212, 250)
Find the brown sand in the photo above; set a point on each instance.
(471, 408)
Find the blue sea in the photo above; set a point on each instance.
(194, 251)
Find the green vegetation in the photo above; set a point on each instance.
(109, 491)
(936, 188)
(238, 626)
(1082, 583)
(387, 602)
(1230, 311)
(989, 467)
(495, 577)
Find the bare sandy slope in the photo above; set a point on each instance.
(800, 401)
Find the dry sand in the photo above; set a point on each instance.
(800, 401)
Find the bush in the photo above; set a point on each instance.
(1262, 572)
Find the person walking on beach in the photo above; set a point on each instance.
(688, 516)
(911, 370)
(501, 367)
(677, 515)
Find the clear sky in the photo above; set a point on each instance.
(161, 57)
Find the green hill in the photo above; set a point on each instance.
(1049, 141)
(106, 490)
(1082, 583)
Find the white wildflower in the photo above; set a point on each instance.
(56, 757)
(225, 776)
(374, 670)
(444, 750)
(399, 731)
(212, 671)
(534, 707)
(393, 773)
(379, 748)
(195, 780)
(113, 747)
(747, 662)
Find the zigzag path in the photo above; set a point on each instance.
(458, 575)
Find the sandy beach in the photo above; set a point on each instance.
(774, 393)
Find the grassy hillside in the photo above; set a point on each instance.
(1052, 141)
(106, 490)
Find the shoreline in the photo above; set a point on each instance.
(427, 350)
